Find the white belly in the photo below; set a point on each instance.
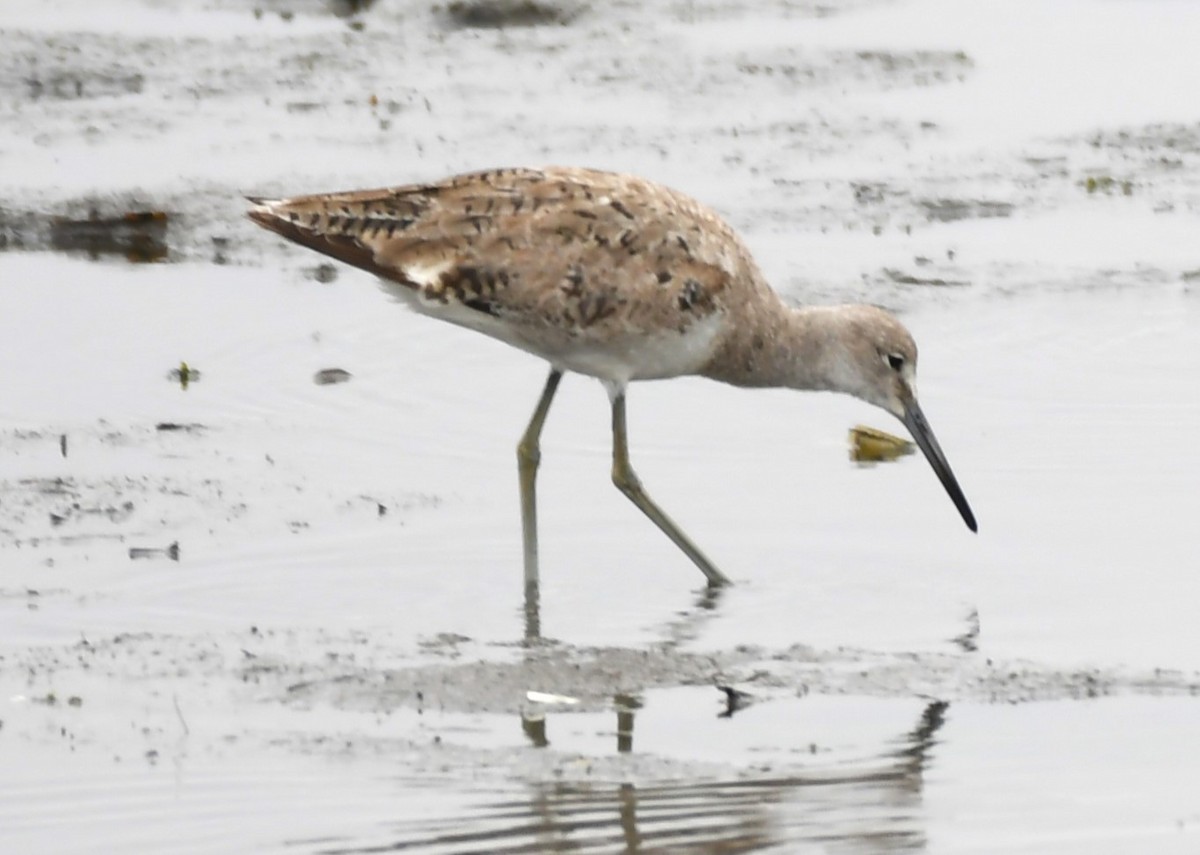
(618, 359)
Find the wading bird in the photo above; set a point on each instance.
(615, 277)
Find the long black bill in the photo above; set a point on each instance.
(914, 420)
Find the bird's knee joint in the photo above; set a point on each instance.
(528, 455)
(625, 480)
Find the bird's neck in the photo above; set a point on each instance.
(787, 347)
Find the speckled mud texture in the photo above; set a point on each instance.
(260, 549)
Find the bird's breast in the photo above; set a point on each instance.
(637, 355)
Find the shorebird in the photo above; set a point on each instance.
(611, 276)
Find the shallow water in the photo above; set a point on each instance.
(339, 656)
(1078, 410)
(829, 774)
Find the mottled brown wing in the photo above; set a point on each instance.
(572, 248)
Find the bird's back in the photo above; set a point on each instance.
(599, 272)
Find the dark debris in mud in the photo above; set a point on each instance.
(871, 69)
(139, 236)
(190, 427)
(692, 12)
(347, 8)
(901, 277)
(67, 74)
(91, 228)
(499, 14)
(170, 552)
(1157, 138)
(331, 376)
(951, 210)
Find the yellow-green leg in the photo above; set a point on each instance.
(627, 482)
(529, 455)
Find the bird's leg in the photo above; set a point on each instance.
(529, 454)
(627, 482)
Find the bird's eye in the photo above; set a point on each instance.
(894, 360)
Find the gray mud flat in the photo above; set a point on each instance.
(260, 580)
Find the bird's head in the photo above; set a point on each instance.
(874, 358)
